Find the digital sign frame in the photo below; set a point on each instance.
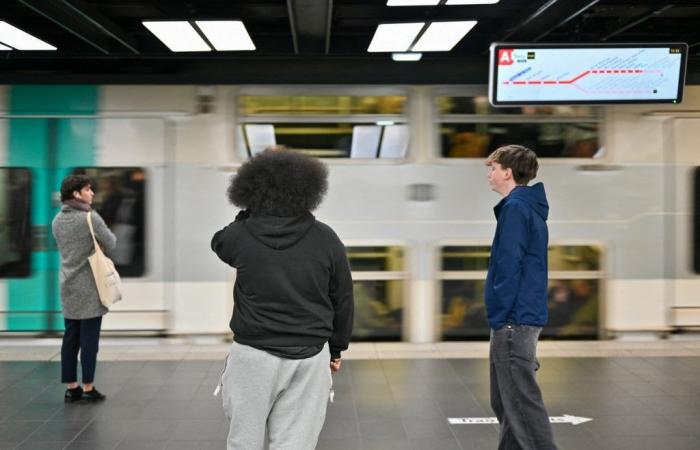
(499, 54)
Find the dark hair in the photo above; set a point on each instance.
(279, 182)
(73, 183)
(521, 160)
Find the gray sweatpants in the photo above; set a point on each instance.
(275, 401)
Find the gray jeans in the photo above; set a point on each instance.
(274, 402)
(515, 396)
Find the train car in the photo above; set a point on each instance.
(408, 195)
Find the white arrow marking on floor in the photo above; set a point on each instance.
(566, 418)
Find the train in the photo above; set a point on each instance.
(408, 195)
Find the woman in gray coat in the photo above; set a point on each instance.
(82, 309)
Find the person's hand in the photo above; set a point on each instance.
(335, 365)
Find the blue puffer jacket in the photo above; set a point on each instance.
(516, 285)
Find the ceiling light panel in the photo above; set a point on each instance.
(406, 57)
(394, 37)
(412, 2)
(443, 36)
(178, 36)
(226, 35)
(471, 2)
(435, 2)
(18, 39)
(2, 47)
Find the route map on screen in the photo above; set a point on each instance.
(541, 74)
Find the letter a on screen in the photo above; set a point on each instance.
(505, 57)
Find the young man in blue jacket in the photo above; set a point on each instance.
(516, 299)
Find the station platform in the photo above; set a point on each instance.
(600, 395)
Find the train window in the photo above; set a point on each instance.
(573, 257)
(573, 290)
(480, 105)
(369, 127)
(376, 259)
(378, 274)
(321, 104)
(120, 199)
(466, 258)
(471, 128)
(15, 223)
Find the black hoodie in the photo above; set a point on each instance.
(293, 286)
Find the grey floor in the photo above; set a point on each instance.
(635, 403)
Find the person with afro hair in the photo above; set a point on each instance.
(293, 303)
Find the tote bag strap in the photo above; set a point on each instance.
(92, 232)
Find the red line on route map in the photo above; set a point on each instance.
(581, 75)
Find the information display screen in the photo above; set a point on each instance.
(537, 74)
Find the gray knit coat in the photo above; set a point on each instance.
(79, 297)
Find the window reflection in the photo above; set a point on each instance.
(378, 310)
(573, 308)
(119, 199)
(471, 128)
(367, 127)
(573, 291)
(378, 287)
(15, 223)
(463, 310)
(548, 140)
(572, 305)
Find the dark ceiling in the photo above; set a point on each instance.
(315, 41)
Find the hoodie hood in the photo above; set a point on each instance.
(533, 195)
(279, 233)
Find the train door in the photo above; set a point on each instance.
(51, 131)
(39, 149)
(683, 225)
(130, 174)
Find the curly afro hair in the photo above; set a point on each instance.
(279, 182)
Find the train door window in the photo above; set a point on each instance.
(471, 128)
(326, 126)
(378, 274)
(120, 195)
(574, 286)
(574, 290)
(15, 223)
(462, 275)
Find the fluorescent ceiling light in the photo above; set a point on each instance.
(394, 37)
(406, 56)
(442, 36)
(178, 36)
(226, 34)
(435, 2)
(471, 2)
(412, 2)
(16, 38)
(2, 47)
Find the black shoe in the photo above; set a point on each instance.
(93, 395)
(73, 395)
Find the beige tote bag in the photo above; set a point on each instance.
(109, 285)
